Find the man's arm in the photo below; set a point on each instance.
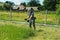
(29, 17)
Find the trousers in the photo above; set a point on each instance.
(32, 22)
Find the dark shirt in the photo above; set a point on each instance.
(31, 13)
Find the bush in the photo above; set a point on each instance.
(58, 12)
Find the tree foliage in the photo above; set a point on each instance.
(58, 1)
(34, 3)
(8, 4)
(58, 10)
(58, 6)
(23, 4)
(50, 4)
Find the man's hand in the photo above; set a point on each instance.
(28, 19)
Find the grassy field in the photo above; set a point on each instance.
(13, 31)
(9, 31)
(20, 16)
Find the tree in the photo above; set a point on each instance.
(23, 4)
(58, 10)
(50, 4)
(34, 3)
(58, 1)
(8, 5)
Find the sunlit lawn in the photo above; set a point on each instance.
(13, 31)
(47, 33)
(20, 16)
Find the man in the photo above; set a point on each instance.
(31, 18)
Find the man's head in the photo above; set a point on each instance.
(31, 8)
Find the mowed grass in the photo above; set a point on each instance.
(13, 31)
(20, 16)
(47, 33)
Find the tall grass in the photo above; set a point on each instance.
(20, 16)
(11, 32)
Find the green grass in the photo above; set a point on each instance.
(20, 16)
(12, 32)
(47, 33)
